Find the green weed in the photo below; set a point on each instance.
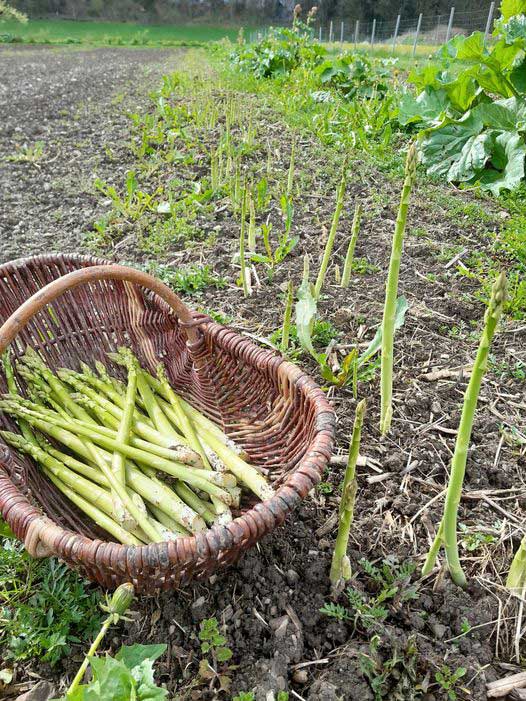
(44, 607)
(324, 488)
(190, 280)
(212, 642)
(134, 202)
(448, 680)
(367, 611)
(472, 541)
(361, 266)
(391, 675)
(28, 153)
(323, 333)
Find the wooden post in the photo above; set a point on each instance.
(373, 32)
(490, 20)
(395, 37)
(450, 24)
(330, 32)
(356, 32)
(341, 33)
(319, 37)
(437, 29)
(418, 26)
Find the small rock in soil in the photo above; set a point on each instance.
(42, 691)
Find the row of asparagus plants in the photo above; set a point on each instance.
(308, 295)
(446, 535)
(136, 458)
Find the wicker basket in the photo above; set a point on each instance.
(75, 308)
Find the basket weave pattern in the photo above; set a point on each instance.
(266, 404)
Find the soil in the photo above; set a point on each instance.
(74, 103)
(268, 605)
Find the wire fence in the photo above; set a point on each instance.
(424, 30)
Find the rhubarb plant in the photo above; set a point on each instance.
(470, 106)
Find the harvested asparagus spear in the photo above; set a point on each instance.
(153, 491)
(133, 456)
(96, 515)
(222, 512)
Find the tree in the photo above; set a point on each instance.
(7, 12)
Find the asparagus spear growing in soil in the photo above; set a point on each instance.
(447, 531)
(341, 566)
(349, 258)
(388, 323)
(287, 316)
(244, 273)
(332, 235)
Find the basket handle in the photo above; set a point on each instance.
(19, 319)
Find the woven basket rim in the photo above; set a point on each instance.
(300, 480)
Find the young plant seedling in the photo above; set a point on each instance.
(216, 654)
(272, 258)
(341, 565)
(349, 258)
(447, 531)
(28, 154)
(388, 323)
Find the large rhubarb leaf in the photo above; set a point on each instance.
(509, 8)
(504, 115)
(430, 107)
(507, 163)
(443, 147)
(518, 77)
(514, 29)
